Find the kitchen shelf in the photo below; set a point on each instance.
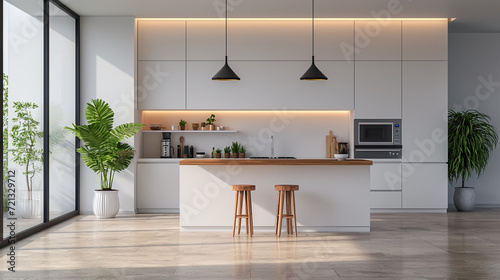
(192, 131)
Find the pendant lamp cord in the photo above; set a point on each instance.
(312, 29)
(226, 30)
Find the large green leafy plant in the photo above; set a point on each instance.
(103, 150)
(471, 139)
(25, 135)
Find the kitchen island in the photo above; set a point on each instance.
(334, 195)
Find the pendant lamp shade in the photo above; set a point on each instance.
(313, 73)
(226, 73)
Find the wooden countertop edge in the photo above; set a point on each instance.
(209, 161)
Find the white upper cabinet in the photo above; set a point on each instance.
(205, 40)
(269, 40)
(425, 40)
(378, 90)
(425, 106)
(161, 85)
(161, 40)
(270, 85)
(377, 40)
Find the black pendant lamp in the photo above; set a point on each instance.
(313, 73)
(226, 73)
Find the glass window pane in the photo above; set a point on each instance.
(62, 112)
(23, 64)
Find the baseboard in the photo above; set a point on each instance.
(157, 210)
(431, 210)
(272, 229)
(123, 213)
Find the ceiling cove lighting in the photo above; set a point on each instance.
(226, 73)
(313, 73)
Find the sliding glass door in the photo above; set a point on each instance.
(40, 97)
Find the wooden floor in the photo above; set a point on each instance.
(410, 246)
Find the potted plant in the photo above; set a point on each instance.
(182, 124)
(104, 152)
(211, 122)
(202, 125)
(227, 151)
(242, 152)
(471, 139)
(235, 149)
(25, 135)
(218, 153)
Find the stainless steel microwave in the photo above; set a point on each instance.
(377, 138)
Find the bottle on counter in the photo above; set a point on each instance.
(191, 152)
(213, 152)
(179, 154)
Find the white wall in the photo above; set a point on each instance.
(474, 83)
(107, 72)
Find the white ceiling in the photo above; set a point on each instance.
(472, 15)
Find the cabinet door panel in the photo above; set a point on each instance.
(205, 40)
(425, 106)
(161, 40)
(161, 85)
(385, 200)
(270, 85)
(425, 40)
(378, 40)
(385, 176)
(378, 90)
(158, 186)
(425, 185)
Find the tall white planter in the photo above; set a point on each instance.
(106, 204)
(30, 206)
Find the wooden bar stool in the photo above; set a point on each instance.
(243, 192)
(286, 195)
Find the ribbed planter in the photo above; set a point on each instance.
(30, 206)
(464, 198)
(106, 204)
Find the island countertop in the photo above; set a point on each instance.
(249, 161)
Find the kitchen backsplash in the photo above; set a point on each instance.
(298, 134)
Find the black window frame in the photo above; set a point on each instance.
(47, 222)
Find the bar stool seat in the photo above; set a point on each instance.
(286, 196)
(243, 193)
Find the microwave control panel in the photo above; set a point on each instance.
(397, 133)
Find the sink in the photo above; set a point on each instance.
(272, 157)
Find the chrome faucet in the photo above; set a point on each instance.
(272, 146)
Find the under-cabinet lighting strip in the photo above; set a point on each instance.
(330, 19)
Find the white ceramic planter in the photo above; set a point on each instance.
(30, 207)
(106, 204)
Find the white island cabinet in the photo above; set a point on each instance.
(333, 195)
(158, 186)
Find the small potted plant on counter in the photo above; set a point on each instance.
(211, 122)
(218, 153)
(235, 149)
(242, 152)
(182, 124)
(227, 151)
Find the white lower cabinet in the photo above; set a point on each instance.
(158, 187)
(425, 185)
(385, 199)
(385, 176)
